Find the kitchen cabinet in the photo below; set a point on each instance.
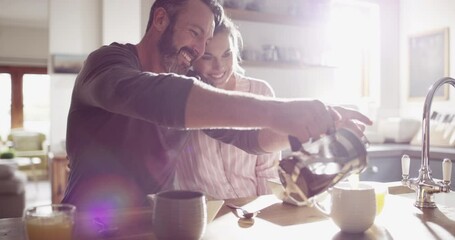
(382, 169)
(384, 162)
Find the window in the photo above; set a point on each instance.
(36, 95)
(5, 104)
(353, 38)
(24, 99)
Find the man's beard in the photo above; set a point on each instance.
(170, 53)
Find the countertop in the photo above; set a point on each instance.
(399, 220)
(415, 151)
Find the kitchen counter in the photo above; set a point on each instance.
(415, 151)
(398, 220)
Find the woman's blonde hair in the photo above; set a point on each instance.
(227, 25)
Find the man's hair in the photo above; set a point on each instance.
(173, 7)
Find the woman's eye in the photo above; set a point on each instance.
(227, 54)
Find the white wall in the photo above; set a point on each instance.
(389, 64)
(80, 27)
(119, 25)
(74, 28)
(23, 45)
(420, 16)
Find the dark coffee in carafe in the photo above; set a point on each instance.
(314, 167)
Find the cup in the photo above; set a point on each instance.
(50, 222)
(353, 210)
(178, 214)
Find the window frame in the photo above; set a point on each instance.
(17, 99)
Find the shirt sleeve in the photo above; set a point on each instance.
(112, 79)
(247, 140)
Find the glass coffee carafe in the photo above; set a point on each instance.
(314, 167)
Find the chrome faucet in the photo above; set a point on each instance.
(424, 185)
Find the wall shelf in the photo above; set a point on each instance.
(254, 16)
(283, 65)
(274, 18)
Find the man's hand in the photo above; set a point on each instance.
(350, 119)
(310, 119)
(304, 119)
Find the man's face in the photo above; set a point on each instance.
(184, 41)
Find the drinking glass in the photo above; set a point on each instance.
(381, 192)
(50, 222)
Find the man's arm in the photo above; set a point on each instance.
(254, 141)
(208, 107)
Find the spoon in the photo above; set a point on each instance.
(242, 213)
(103, 229)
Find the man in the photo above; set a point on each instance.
(129, 107)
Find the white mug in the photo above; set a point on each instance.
(353, 210)
(178, 214)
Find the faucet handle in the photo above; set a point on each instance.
(405, 161)
(446, 170)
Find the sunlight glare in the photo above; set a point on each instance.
(353, 39)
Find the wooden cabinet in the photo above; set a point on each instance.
(59, 176)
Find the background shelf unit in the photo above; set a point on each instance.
(253, 16)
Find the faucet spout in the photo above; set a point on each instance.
(426, 117)
(424, 185)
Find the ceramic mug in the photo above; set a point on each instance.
(178, 214)
(353, 210)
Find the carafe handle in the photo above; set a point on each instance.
(323, 208)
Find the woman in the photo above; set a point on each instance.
(221, 170)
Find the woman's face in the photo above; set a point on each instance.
(216, 65)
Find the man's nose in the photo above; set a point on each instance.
(199, 47)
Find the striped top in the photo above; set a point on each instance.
(221, 170)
